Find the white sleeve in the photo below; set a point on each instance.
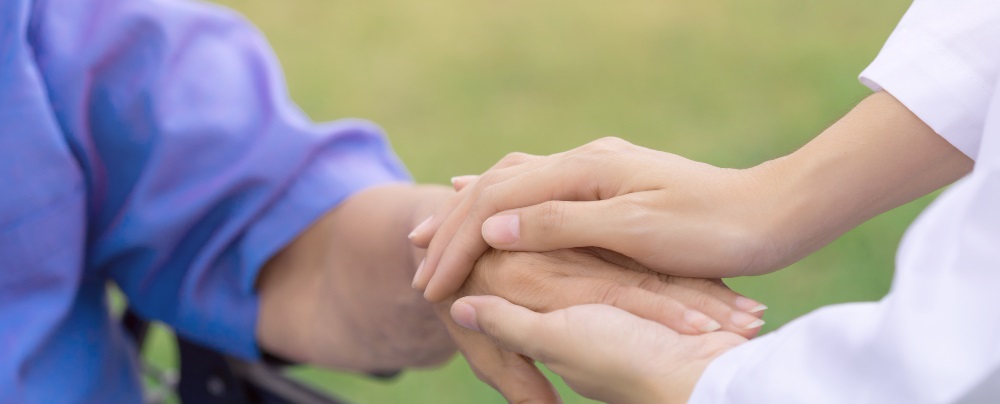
(934, 339)
(942, 62)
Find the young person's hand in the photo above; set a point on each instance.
(687, 218)
(555, 280)
(602, 352)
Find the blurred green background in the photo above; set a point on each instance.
(457, 84)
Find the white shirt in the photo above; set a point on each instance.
(935, 338)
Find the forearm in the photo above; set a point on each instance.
(340, 294)
(879, 156)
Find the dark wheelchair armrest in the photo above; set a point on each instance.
(207, 376)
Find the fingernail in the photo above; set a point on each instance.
(416, 276)
(701, 322)
(465, 315)
(746, 321)
(749, 305)
(420, 227)
(502, 229)
(461, 180)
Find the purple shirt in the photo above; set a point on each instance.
(149, 143)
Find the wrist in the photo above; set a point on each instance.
(677, 384)
(287, 288)
(758, 202)
(346, 280)
(675, 387)
(798, 212)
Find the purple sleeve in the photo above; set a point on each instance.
(198, 166)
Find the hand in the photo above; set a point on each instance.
(560, 279)
(602, 352)
(682, 217)
(670, 214)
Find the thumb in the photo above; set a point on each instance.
(513, 375)
(555, 225)
(510, 326)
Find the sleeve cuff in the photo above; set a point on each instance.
(359, 158)
(935, 83)
(713, 385)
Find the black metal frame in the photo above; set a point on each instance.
(209, 377)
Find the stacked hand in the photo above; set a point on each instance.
(612, 273)
(668, 213)
(647, 362)
(674, 216)
(549, 282)
(686, 218)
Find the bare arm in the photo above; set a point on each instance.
(877, 157)
(687, 218)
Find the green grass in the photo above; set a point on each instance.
(457, 84)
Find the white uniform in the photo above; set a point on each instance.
(935, 338)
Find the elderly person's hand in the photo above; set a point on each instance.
(556, 280)
(602, 352)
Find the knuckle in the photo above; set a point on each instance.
(551, 215)
(486, 275)
(609, 293)
(651, 283)
(514, 158)
(668, 279)
(487, 179)
(518, 278)
(490, 198)
(612, 141)
(702, 301)
(609, 143)
(582, 162)
(699, 284)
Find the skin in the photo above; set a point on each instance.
(345, 283)
(682, 217)
(566, 278)
(646, 363)
(675, 216)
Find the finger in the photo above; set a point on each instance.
(571, 176)
(440, 287)
(418, 236)
(462, 181)
(454, 262)
(665, 308)
(722, 310)
(714, 287)
(512, 327)
(555, 225)
(565, 278)
(520, 381)
(446, 216)
(459, 254)
(422, 234)
(701, 295)
(592, 171)
(717, 288)
(514, 376)
(511, 374)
